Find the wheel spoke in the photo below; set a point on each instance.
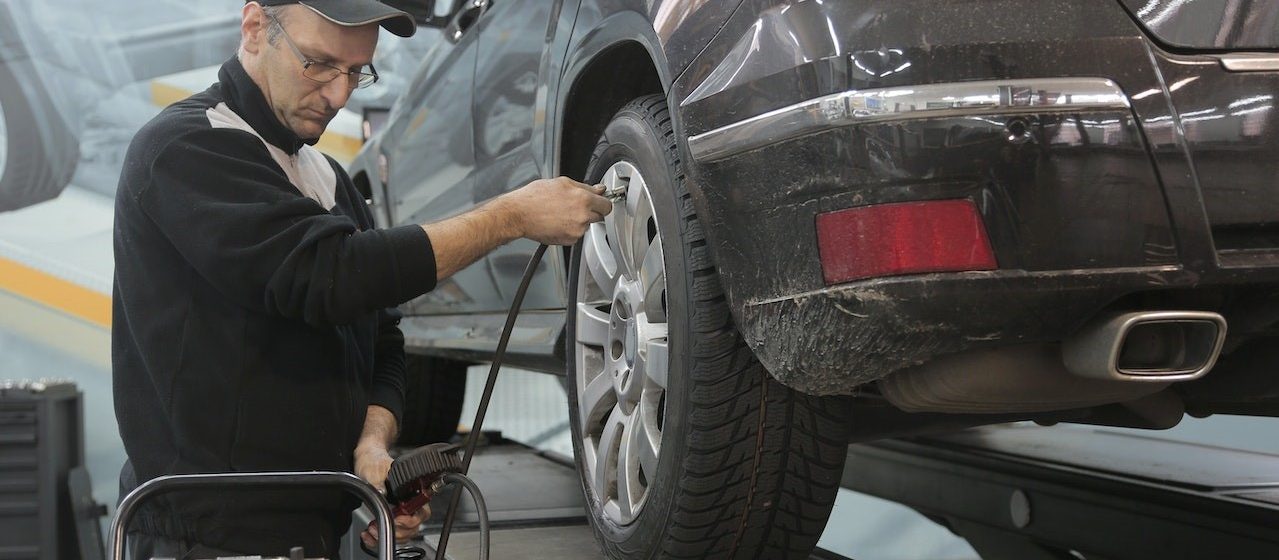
(652, 277)
(646, 441)
(655, 331)
(615, 222)
(595, 401)
(640, 211)
(592, 325)
(657, 362)
(616, 227)
(600, 260)
(629, 490)
(636, 195)
(605, 469)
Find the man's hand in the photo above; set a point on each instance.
(372, 463)
(555, 211)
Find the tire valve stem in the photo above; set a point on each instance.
(616, 193)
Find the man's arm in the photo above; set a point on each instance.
(551, 211)
(389, 363)
(461, 240)
(372, 459)
(379, 429)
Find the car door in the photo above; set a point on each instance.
(430, 158)
(513, 37)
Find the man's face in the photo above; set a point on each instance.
(302, 104)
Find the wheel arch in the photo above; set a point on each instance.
(623, 44)
(585, 110)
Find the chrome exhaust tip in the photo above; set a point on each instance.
(1157, 346)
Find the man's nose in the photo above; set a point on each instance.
(338, 91)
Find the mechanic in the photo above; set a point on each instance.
(254, 305)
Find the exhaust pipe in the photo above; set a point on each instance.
(1156, 346)
(1118, 358)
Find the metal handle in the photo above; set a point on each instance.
(465, 17)
(245, 481)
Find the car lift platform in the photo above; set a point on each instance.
(1015, 492)
(1027, 492)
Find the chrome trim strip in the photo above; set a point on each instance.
(955, 99)
(1250, 62)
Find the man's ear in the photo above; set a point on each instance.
(253, 27)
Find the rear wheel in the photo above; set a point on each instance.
(685, 445)
(38, 152)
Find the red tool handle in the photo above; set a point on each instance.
(411, 505)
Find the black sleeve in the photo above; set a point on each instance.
(235, 217)
(389, 363)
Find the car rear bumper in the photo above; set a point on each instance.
(1105, 203)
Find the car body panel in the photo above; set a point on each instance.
(1226, 122)
(1071, 234)
(513, 39)
(1209, 24)
(431, 165)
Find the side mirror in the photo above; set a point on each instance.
(425, 11)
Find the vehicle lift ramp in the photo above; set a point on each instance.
(1014, 492)
(1026, 492)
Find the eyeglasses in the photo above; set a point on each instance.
(324, 73)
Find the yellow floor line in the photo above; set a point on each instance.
(54, 329)
(88, 305)
(340, 146)
(163, 95)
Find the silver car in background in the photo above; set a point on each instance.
(75, 71)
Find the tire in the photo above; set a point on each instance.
(434, 390)
(38, 152)
(744, 468)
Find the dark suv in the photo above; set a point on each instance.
(849, 220)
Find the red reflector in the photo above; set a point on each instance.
(907, 238)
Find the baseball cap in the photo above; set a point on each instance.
(354, 13)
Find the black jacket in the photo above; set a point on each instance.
(252, 326)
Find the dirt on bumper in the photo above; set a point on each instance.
(834, 340)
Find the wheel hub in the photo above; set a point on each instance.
(627, 318)
(621, 355)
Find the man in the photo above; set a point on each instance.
(254, 325)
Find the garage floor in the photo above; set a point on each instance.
(535, 543)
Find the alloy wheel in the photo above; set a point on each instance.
(622, 350)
